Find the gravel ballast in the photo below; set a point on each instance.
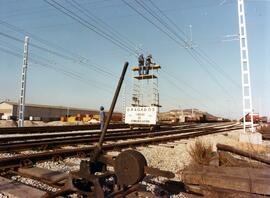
(171, 156)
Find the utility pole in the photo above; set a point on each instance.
(23, 82)
(245, 71)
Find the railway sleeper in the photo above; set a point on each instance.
(18, 189)
(47, 176)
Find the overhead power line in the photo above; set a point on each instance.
(69, 54)
(65, 72)
(158, 27)
(90, 26)
(200, 52)
(54, 53)
(101, 23)
(82, 58)
(81, 10)
(182, 40)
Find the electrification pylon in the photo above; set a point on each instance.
(245, 71)
(23, 82)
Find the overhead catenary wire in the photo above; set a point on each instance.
(75, 4)
(65, 72)
(200, 53)
(129, 5)
(59, 54)
(152, 13)
(190, 52)
(217, 67)
(71, 55)
(64, 56)
(90, 26)
(183, 91)
(159, 28)
(37, 46)
(200, 94)
(160, 20)
(32, 35)
(101, 23)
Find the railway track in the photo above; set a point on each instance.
(165, 136)
(22, 166)
(94, 133)
(43, 141)
(52, 129)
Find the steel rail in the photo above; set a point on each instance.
(51, 129)
(28, 137)
(90, 139)
(13, 162)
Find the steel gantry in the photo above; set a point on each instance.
(245, 70)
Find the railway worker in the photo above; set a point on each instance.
(141, 64)
(102, 117)
(148, 63)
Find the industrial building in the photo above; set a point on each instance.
(187, 115)
(179, 115)
(9, 110)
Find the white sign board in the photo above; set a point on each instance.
(141, 115)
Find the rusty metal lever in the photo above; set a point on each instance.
(104, 130)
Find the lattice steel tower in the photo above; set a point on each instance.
(23, 82)
(245, 71)
(145, 87)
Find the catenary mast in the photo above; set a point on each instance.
(245, 70)
(23, 82)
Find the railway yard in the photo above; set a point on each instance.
(37, 160)
(142, 157)
(181, 123)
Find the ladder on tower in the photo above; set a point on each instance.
(245, 71)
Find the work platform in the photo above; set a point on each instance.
(143, 77)
(151, 67)
(156, 105)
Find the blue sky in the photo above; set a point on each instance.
(80, 68)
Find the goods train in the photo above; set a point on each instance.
(256, 118)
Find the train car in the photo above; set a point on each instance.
(256, 118)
